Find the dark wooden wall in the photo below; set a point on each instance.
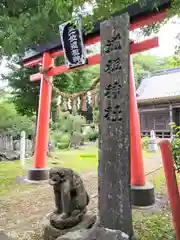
(157, 117)
(158, 121)
(155, 120)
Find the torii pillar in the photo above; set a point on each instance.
(142, 192)
(40, 173)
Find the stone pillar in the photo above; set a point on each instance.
(22, 149)
(114, 153)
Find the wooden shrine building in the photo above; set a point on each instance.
(158, 98)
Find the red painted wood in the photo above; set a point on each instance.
(137, 164)
(171, 183)
(145, 45)
(35, 77)
(43, 117)
(33, 62)
(141, 22)
(93, 60)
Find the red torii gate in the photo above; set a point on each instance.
(39, 172)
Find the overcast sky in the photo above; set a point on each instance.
(167, 40)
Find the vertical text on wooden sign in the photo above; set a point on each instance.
(114, 153)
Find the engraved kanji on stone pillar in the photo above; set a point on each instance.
(114, 153)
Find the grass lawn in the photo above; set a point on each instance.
(156, 225)
(8, 173)
(80, 160)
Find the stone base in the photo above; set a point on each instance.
(100, 233)
(143, 196)
(58, 222)
(3, 236)
(38, 175)
(75, 235)
(51, 233)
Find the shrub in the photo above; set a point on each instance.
(89, 133)
(67, 129)
(77, 123)
(63, 145)
(145, 143)
(62, 140)
(65, 138)
(77, 139)
(93, 136)
(86, 131)
(175, 146)
(55, 136)
(68, 123)
(96, 115)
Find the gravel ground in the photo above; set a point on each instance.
(21, 214)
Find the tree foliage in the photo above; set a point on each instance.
(175, 145)
(66, 128)
(12, 123)
(25, 94)
(145, 64)
(25, 23)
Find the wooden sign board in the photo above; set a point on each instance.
(73, 46)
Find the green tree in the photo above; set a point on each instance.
(12, 123)
(24, 23)
(25, 94)
(145, 64)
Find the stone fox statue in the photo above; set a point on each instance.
(71, 197)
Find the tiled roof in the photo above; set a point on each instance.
(162, 84)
